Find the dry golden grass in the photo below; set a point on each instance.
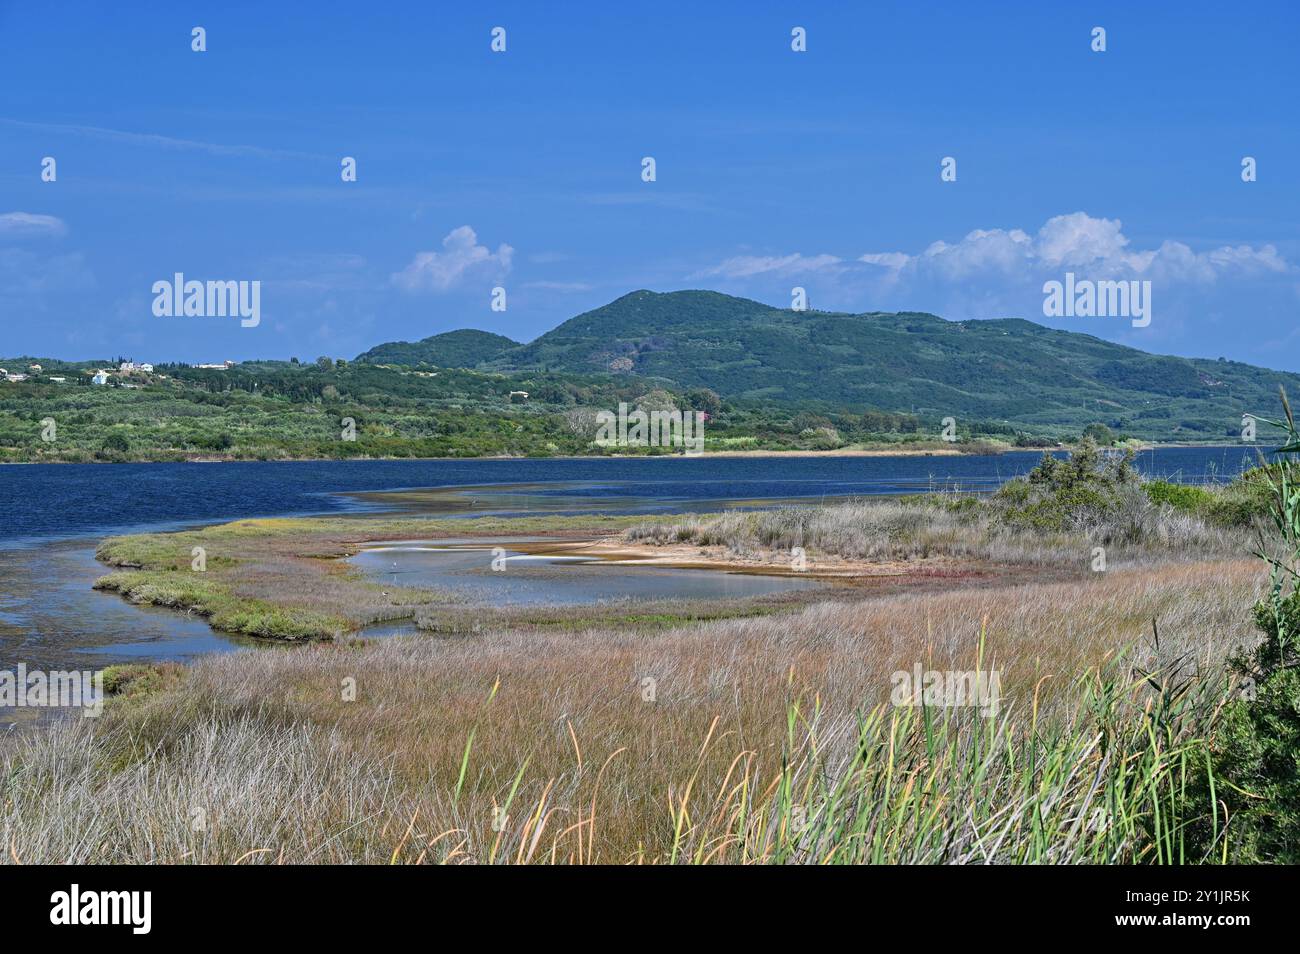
(938, 525)
(550, 735)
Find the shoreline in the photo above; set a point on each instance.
(847, 452)
(844, 452)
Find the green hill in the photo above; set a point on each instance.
(768, 378)
(465, 348)
(995, 370)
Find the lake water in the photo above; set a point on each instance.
(42, 502)
(469, 570)
(51, 517)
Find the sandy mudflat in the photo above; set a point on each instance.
(689, 556)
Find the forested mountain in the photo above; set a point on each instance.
(1004, 370)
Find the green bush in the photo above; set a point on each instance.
(1179, 496)
(1257, 765)
(1253, 766)
(1084, 489)
(1245, 499)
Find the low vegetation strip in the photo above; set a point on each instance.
(223, 608)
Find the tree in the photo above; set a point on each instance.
(656, 400)
(704, 399)
(1100, 433)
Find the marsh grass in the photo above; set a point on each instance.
(945, 525)
(223, 608)
(285, 578)
(769, 739)
(738, 733)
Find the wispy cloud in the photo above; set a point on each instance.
(319, 272)
(747, 266)
(30, 277)
(25, 224)
(160, 141)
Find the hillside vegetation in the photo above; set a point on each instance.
(997, 370)
(465, 348)
(768, 379)
(276, 410)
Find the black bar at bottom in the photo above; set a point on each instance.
(334, 904)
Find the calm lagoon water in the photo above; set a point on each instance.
(532, 579)
(51, 517)
(42, 502)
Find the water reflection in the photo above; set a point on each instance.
(51, 618)
(520, 578)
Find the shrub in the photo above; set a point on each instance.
(1257, 766)
(1245, 499)
(1029, 440)
(1254, 759)
(221, 441)
(141, 679)
(1080, 492)
(1179, 496)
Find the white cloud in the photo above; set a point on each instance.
(1076, 241)
(1249, 259)
(1244, 291)
(891, 260)
(461, 255)
(27, 224)
(1079, 239)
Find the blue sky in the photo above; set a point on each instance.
(522, 169)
